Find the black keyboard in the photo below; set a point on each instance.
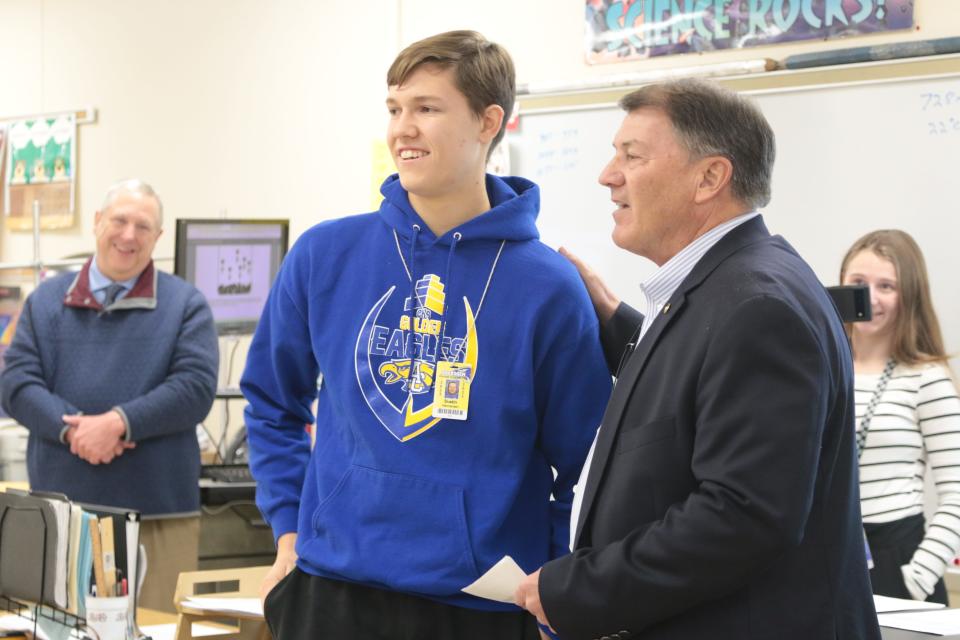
(226, 472)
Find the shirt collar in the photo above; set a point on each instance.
(99, 282)
(660, 286)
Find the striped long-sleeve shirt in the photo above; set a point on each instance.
(915, 427)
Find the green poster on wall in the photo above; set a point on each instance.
(41, 157)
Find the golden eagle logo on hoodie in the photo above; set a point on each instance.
(395, 364)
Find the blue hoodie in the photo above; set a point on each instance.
(392, 496)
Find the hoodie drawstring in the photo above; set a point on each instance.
(414, 303)
(408, 265)
(443, 323)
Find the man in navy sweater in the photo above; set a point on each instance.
(111, 370)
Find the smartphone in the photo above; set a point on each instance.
(853, 302)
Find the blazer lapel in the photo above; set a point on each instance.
(749, 232)
(622, 392)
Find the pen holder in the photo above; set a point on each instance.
(109, 618)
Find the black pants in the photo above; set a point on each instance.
(308, 607)
(892, 544)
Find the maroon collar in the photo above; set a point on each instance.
(142, 295)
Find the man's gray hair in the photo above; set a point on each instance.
(712, 121)
(133, 186)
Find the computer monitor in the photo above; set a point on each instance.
(233, 263)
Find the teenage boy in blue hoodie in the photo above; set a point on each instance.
(459, 362)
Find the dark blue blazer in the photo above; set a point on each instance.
(722, 501)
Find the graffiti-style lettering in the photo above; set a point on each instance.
(721, 20)
(833, 12)
(784, 22)
(758, 16)
(661, 18)
(638, 12)
(681, 21)
(614, 14)
(700, 11)
(866, 7)
(809, 16)
(655, 27)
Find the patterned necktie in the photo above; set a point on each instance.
(111, 293)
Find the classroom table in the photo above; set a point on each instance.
(150, 617)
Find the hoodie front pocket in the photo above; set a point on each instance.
(404, 532)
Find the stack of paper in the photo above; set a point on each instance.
(886, 604)
(943, 622)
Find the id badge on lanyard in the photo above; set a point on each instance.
(451, 392)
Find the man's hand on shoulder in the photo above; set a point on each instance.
(97, 439)
(605, 301)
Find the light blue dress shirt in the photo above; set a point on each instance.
(100, 282)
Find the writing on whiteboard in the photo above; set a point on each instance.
(558, 151)
(942, 111)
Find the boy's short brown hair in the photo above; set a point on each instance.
(483, 71)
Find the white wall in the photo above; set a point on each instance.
(238, 108)
(252, 108)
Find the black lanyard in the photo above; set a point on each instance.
(872, 405)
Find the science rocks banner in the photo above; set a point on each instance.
(620, 30)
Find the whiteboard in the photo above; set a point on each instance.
(850, 159)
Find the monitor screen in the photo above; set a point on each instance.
(233, 263)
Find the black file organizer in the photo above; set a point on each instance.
(40, 607)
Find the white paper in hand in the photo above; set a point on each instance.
(251, 606)
(499, 583)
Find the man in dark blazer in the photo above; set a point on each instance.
(721, 499)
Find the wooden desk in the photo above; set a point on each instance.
(244, 582)
(150, 617)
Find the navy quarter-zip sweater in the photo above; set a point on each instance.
(151, 355)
